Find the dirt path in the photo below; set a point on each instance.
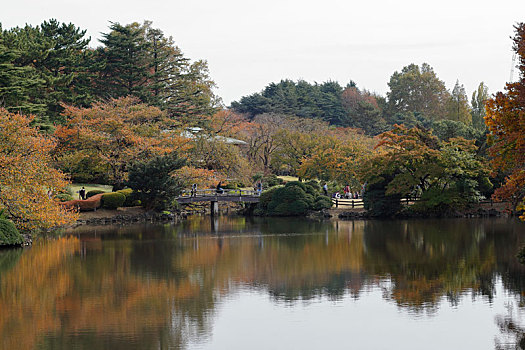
(106, 214)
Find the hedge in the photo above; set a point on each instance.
(9, 235)
(322, 202)
(130, 201)
(64, 197)
(93, 192)
(113, 200)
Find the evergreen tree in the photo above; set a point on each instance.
(479, 97)
(153, 182)
(18, 85)
(314, 101)
(458, 108)
(126, 64)
(362, 111)
(57, 54)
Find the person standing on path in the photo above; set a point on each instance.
(325, 189)
(194, 190)
(82, 193)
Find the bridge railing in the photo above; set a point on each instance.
(358, 203)
(347, 202)
(214, 192)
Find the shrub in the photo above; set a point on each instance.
(264, 200)
(9, 234)
(378, 203)
(314, 185)
(290, 200)
(130, 199)
(299, 184)
(322, 202)
(93, 192)
(230, 186)
(271, 181)
(293, 199)
(64, 197)
(268, 181)
(158, 191)
(113, 200)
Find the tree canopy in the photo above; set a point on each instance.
(28, 182)
(506, 123)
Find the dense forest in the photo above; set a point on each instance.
(136, 105)
(416, 97)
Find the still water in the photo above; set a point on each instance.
(243, 283)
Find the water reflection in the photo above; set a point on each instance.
(164, 286)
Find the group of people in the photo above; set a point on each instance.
(347, 193)
(219, 190)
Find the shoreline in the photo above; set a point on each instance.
(138, 215)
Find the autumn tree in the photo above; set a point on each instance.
(28, 182)
(117, 133)
(296, 140)
(260, 136)
(505, 120)
(446, 174)
(337, 156)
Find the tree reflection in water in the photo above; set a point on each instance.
(159, 286)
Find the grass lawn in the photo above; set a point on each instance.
(288, 178)
(73, 188)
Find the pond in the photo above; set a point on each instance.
(268, 283)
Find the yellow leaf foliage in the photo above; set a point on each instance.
(27, 181)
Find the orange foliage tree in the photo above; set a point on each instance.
(27, 181)
(505, 120)
(337, 157)
(117, 133)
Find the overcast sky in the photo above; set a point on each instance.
(249, 44)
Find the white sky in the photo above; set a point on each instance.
(249, 44)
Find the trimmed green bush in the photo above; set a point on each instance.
(230, 186)
(64, 197)
(113, 200)
(130, 200)
(294, 199)
(93, 192)
(322, 202)
(9, 234)
(290, 200)
(268, 181)
(316, 188)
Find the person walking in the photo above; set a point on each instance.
(82, 193)
(259, 187)
(194, 190)
(325, 189)
(219, 187)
